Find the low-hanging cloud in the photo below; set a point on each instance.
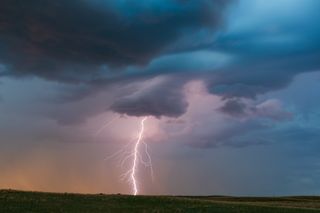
(160, 97)
(245, 108)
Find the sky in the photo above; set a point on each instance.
(230, 90)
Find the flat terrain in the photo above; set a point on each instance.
(34, 202)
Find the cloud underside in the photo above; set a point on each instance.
(161, 97)
(100, 42)
(68, 40)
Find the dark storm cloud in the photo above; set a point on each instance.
(234, 107)
(90, 41)
(70, 40)
(164, 97)
(271, 109)
(258, 76)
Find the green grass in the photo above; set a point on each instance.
(34, 202)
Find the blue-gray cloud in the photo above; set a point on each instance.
(240, 52)
(164, 97)
(72, 40)
(272, 42)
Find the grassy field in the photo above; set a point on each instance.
(34, 202)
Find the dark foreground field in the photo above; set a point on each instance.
(34, 202)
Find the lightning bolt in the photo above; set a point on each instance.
(134, 154)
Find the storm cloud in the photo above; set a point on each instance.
(271, 109)
(98, 42)
(159, 97)
(71, 40)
